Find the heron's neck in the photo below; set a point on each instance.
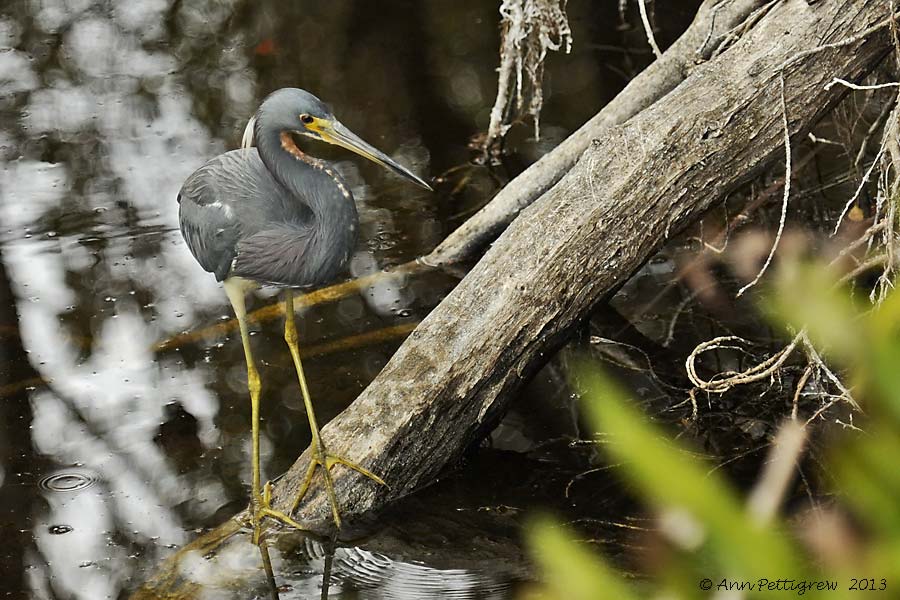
(314, 182)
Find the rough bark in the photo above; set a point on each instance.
(714, 20)
(640, 184)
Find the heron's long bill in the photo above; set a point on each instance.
(335, 133)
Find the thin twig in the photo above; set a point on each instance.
(856, 86)
(597, 340)
(822, 410)
(820, 140)
(814, 358)
(670, 335)
(879, 260)
(800, 385)
(785, 197)
(877, 125)
(648, 29)
(770, 490)
(860, 241)
(725, 381)
(859, 190)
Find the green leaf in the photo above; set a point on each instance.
(883, 362)
(669, 478)
(807, 296)
(867, 474)
(570, 571)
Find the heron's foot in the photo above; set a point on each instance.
(322, 458)
(262, 509)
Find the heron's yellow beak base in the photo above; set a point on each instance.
(335, 133)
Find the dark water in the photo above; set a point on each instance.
(122, 439)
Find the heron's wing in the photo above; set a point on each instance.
(290, 248)
(279, 255)
(222, 201)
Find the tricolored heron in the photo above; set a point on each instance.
(274, 215)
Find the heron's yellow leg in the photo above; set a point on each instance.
(320, 455)
(267, 568)
(259, 502)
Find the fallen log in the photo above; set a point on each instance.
(642, 183)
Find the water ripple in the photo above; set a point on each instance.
(68, 481)
(355, 568)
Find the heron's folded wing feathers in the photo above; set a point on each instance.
(211, 234)
(216, 207)
(278, 256)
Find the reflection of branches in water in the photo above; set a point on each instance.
(18, 456)
(166, 489)
(415, 76)
(41, 581)
(89, 137)
(444, 536)
(327, 294)
(343, 344)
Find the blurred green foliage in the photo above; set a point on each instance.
(706, 528)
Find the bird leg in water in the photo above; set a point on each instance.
(320, 456)
(259, 502)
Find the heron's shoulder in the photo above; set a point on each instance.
(235, 172)
(228, 165)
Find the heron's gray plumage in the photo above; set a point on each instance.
(266, 214)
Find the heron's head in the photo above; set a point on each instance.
(298, 111)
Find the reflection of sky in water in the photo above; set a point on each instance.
(120, 94)
(143, 152)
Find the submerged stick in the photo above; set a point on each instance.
(331, 293)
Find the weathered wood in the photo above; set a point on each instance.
(642, 183)
(714, 21)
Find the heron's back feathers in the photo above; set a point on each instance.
(237, 219)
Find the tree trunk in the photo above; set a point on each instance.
(630, 191)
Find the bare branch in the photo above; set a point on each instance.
(648, 29)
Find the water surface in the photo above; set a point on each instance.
(124, 419)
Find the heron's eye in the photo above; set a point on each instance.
(306, 119)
